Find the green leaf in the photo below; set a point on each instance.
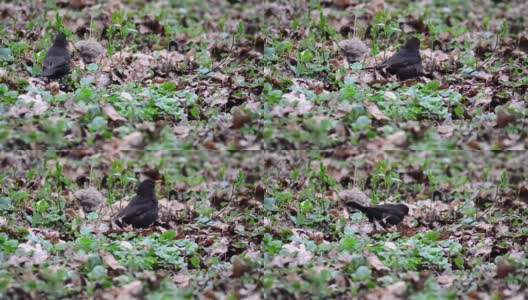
(459, 111)
(168, 86)
(5, 54)
(362, 122)
(86, 243)
(195, 112)
(97, 273)
(86, 81)
(92, 67)
(433, 85)
(269, 204)
(348, 243)
(168, 235)
(92, 216)
(459, 262)
(85, 230)
(97, 123)
(269, 53)
(433, 235)
(84, 93)
(5, 203)
(362, 273)
(195, 261)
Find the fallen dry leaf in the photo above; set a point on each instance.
(302, 255)
(131, 290)
(219, 226)
(181, 130)
(504, 268)
(240, 118)
(393, 291)
(446, 279)
(181, 279)
(374, 111)
(504, 118)
(111, 112)
(295, 104)
(376, 263)
(484, 226)
(29, 105)
(484, 76)
(240, 267)
(29, 252)
(110, 260)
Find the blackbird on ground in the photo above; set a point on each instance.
(57, 61)
(406, 63)
(142, 211)
(385, 214)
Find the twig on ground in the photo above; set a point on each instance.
(487, 60)
(485, 212)
(228, 205)
(228, 56)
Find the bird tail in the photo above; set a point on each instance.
(352, 204)
(376, 67)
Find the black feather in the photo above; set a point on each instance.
(390, 214)
(56, 64)
(406, 63)
(142, 211)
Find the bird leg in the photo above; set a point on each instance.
(380, 223)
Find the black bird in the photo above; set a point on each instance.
(385, 214)
(142, 211)
(57, 61)
(406, 63)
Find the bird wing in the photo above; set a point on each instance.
(371, 212)
(134, 211)
(396, 59)
(399, 60)
(123, 212)
(393, 218)
(396, 209)
(410, 71)
(398, 63)
(51, 61)
(392, 214)
(54, 62)
(398, 206)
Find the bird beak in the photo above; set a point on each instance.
(158, 181)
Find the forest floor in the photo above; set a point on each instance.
(266, 225)
(178, 82)
(265, 75)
